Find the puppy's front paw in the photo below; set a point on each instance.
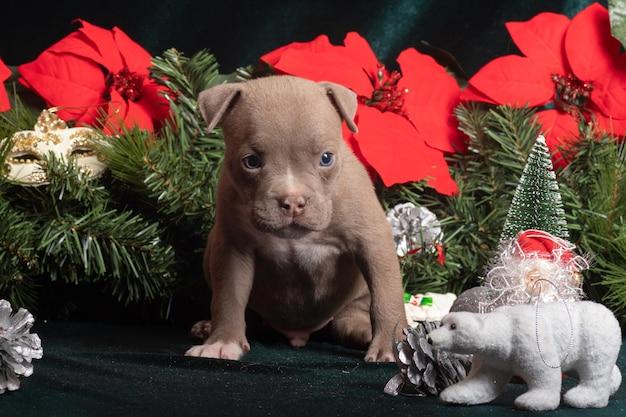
(219, 350)
(380, 350)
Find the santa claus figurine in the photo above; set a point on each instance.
(535, 265)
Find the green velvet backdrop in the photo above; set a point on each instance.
(239, 31)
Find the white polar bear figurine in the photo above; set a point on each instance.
(504, 343)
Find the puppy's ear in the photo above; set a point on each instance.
(216, 101)
(344, 100)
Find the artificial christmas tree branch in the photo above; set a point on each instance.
(537, 200)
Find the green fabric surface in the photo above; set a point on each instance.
(93, 369)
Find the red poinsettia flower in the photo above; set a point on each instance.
(5, 73)
(574, 66)
(405, 120)
(95, 70)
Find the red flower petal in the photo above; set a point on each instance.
(609, 92)
(154, 104)
(560, 130)
(392, 146)
(124, 114)
(5, 103)
(515, 81)
(430, 101)
(353, 143)
(332, 63)
(116, 113)
(590, 48)
(610, 126)
(360, 51)
(319, 44)
(5, 73)
(104, 41)
(541, 39)
(79, 45)
(75, 84)
(472, 94)
(138, 116)
(135, 57)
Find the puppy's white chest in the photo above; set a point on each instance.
(311, 256)
(307, 255)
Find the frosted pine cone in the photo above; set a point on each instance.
(18, 347)
(423, 370)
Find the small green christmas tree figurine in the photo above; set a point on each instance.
(537, 200)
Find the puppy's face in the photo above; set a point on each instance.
(284, 153)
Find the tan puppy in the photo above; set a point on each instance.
(299, 235)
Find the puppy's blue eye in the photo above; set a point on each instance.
(252, 161)
(327, 159)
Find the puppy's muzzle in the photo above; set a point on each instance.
(292, 205)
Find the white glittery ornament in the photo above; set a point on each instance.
(18, 347)
(414, 228)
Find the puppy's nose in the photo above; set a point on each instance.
(292, 204)
(429, 340)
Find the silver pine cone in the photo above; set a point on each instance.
(18, 347)
(424, 370)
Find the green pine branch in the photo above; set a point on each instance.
(69, 230)
(186, 78)
(174, 172)
(19, 117)
(121, 249)
(19, 262)
(598, 178)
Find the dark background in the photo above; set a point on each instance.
(238, 32)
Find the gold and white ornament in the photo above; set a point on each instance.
(25, 163)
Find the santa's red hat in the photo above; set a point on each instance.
(545, 245)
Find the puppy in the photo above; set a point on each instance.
(299, 236)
